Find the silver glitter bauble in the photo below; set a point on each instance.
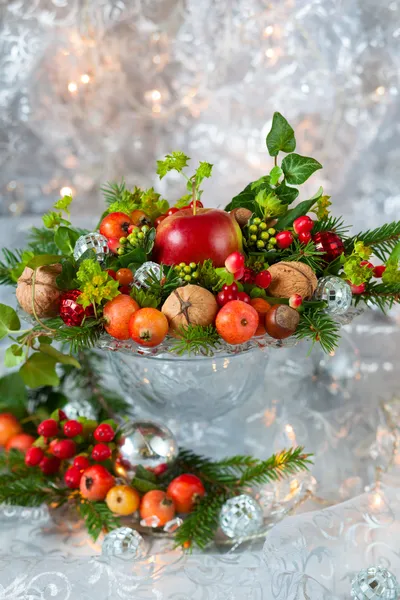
(95, 242)
(124, 540)
(147, 444)
(375, 583)
(241, 516)
(80, 408)
(142, 274)
(336, 292)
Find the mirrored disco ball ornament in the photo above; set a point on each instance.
(375, 583)
(145, 443)
(95, 242)
(144, 272)
(123, 540)
(240, 517)
(336, 292)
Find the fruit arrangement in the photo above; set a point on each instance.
(92, 467)
(195, 279)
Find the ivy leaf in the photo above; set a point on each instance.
(176, 161)
(65, 359)
(285, 193)
(9, 320)
(281, 136)
(65, 239)
(275, 174)
(14, 355)
(42, 260)
(39, 370)
(67, 278)
(298, 211)
(246, 197)
(13, 395)
(262, 182)
(298, 168)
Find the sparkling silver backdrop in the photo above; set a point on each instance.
(93, 90)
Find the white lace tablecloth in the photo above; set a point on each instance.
(333, 407)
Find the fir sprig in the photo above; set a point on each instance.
(382, 240)
(10, 260)
(197, 340)
(97, 517)
(381, 295)
(307, 254)
(319, 327)
(200, 526)
(78, 338)
(161, 287)
(113, 191)
(331, 223)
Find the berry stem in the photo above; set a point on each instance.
(275, 161)
(194, 195)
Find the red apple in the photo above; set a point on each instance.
(185, 237)
(115, 225)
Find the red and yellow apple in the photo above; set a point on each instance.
(185, 237)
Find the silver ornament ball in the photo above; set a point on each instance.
(124, 540)
(95, 242)
(336, 292)
(141, 277)
(241, 516)
(80, 408)
(144, 443)
(375, 583)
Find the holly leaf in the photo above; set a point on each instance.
(14, 355)
(285, 193)
(281, 136)
(39, 370)
(67, 278)
(65, 359)
(43, 260)
(176, 161)
(65, 239)
(9, 321)
(298, 168)
(298, 211)
(275, 174)
(13, 395)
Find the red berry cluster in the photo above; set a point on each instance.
(302, 227)
(62, 439)
(231, 292)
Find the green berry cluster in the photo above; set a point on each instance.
(136, 239)
(188, 273)
(259, 235)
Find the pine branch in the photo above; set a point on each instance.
(97, 517)
(113, 191)
(161, 288)
(335, 224)
(197, 340)
(41, 241)
(200, 526)
(276, 467)
(307, 254)
(319, 327)
(382, 295)
(382, 240)
(78, 338)
(11, 259)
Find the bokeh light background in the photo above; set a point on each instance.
(92, 90)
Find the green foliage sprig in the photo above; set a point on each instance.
(196, 340)
(307, 254)
(177, 161)
(382, 240)
(319, 327)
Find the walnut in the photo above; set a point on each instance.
(190, 305)
(290, 278)
(47, 294)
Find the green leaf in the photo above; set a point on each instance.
(9, 320)
(149, 242)
(175, 161)
(275, 174)
(138, 255)
(183, 201)
(298, 168)
(281, 136)
(65, 359)
(143, 485)
(227, 278)
(395, 254)
(53, 219)
(204, 170)
(43, 260)
(13, 395)
(63, 203)
(67, 278)
(144, 298)
(285, 193)
(298, 211)
(143, 473)
(14, 356)
(246, 197)
(39, 370)
(66, 238)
